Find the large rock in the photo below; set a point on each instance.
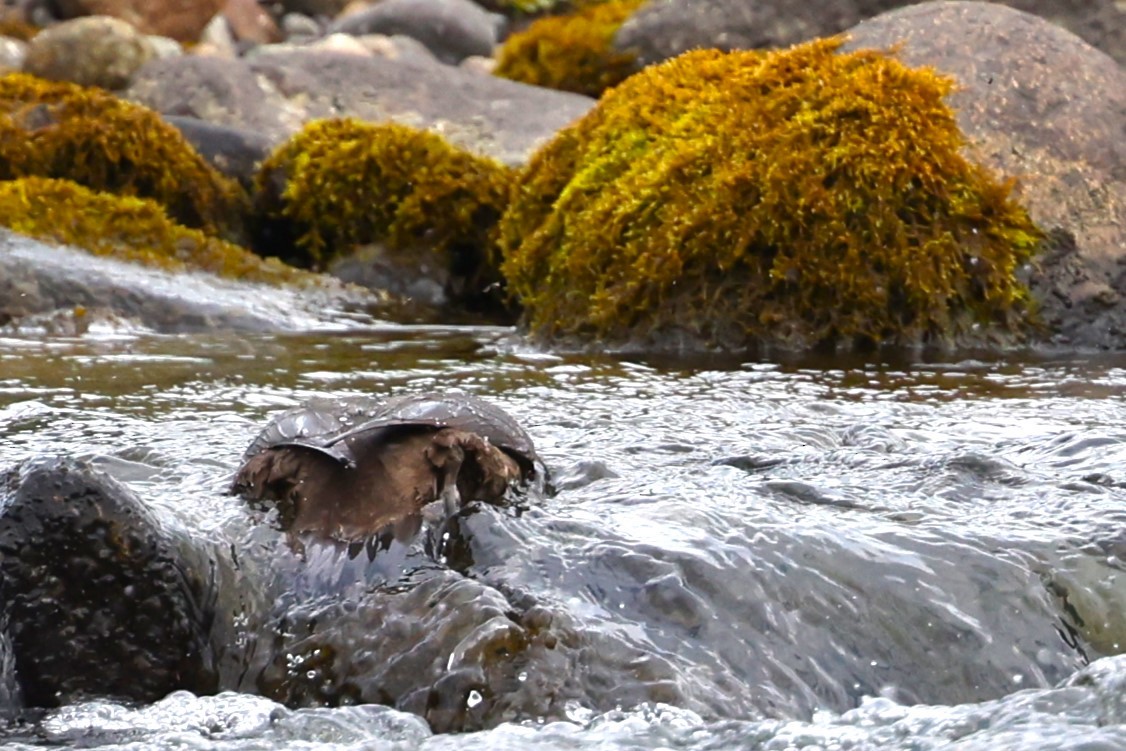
(452, 29)
(275, 94)
(660, 30)
(93, 51)
(183, 20)
(1040, 105)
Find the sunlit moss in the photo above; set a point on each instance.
(348, 183)
(126, 228)
(800, 197)
(571, 52)
(61, 130)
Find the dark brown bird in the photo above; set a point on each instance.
(349, 483)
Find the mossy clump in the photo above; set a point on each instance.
(88, 136)
(801, 197)
(348, 183)
(571, 52)
(127, 228)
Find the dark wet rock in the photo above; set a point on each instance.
(183, 20)
(98, 597)
(236, 152)
(36, 279)
(274, 94)
(1040, 105)
(660, 30)
(94, 51)
(452, 29)
(349, 483)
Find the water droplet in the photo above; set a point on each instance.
(473, 699)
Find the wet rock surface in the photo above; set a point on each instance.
(38, 279)
(84, 564)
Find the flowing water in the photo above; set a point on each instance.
(798, 554)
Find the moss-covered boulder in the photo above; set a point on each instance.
(1038, 103)
(60, 130)
(127, 228)
(572, 52)
(339, 184)
(801, 198)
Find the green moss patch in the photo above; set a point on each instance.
(800, 197)
(127, 228)
(60, 130)
(348, 183)
(572, 52)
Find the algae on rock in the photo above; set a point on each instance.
(802, 197)
(342, 183)
(86, 135)
(571, 52)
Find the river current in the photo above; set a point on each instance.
(834, 553)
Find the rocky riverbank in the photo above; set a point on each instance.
(1039, 99)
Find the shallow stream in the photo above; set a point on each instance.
(806, 554)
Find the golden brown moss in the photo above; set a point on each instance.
(801, 197)
(348, 183)
(126, 228)
(572, 52)
(61, 130)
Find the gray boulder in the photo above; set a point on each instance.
(221, 92)
(275, 94)
(452, 29)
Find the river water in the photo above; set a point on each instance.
(808, 554)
